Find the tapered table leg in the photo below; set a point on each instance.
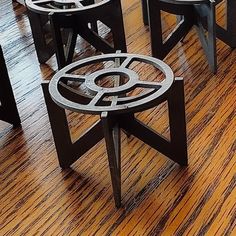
(177, 122)
(228, 34)
(112, 139)
(207, 11)
(8, 109)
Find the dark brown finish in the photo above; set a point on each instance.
(8, 109)
(68, 152)
(201, 14)
(70, 19)
(116, 113)
(191, 15)
(228, 35)
(111, 131)
(42, 36)
(155, 92)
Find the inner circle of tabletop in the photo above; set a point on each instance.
(90, 82)
(143, 103)
(37, 6)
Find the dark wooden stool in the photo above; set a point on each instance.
(116, 109)
(55, 25)
(198, 13)
(8, 109)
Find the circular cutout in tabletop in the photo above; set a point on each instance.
(61, 6)
(81, 88)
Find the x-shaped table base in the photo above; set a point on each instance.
(109, 127)
(202, 16)
(8, 109)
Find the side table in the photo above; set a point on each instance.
(116, 109)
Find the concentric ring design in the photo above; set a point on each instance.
(120, 102)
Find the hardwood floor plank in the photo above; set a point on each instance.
(158, 196)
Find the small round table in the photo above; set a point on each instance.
(116, 104)
(64, 20)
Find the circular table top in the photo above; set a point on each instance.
(61, 6)
(185, 1)
(91, 96)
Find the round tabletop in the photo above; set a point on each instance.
(62, 6)
(80, 89)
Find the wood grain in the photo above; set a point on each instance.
(159, 197)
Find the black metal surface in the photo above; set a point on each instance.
(8, 109)
(115, 117)
(65, 20)
(199, 13)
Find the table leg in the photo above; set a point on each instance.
(161, 47)
(228, 35)
(205, 19)
(145, 12)
(112, 139)
(177, 120)
(68, 152)
(8, 109)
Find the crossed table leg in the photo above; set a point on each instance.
(202, 16)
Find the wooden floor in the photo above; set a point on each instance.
(158, 196)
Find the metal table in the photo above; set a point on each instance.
(116, 108)
(198, 13)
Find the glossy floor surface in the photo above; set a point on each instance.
(158, 196)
